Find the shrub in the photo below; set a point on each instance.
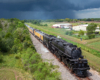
(81, 32)
(9, 42)
(5, 25)
(16, 41)
(26, 44)
(18, 56)
(20, 24)
(85, 37)
(90, 29)
(8, 35)
(14, 49)
(1, 58)
(3, 45)
(78, 35)
(91, 36)
(99, 33)
(45, 25)
(1, 26)
(18, 33)
(69, 33)
(0, 29)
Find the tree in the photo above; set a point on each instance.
(81, 32)
(67, 19)
(90, 30)
(1, 25)
(45, 25)
(91, 27)
(75, 20)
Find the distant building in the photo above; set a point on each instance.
(62, 25)
(82, 27)
(97, 29)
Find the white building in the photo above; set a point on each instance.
(97, 29)
(82, 27)
(62, 25)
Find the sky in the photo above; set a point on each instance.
(49, 9)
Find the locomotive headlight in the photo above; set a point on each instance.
(79, 58)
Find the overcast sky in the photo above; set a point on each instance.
(49, 9)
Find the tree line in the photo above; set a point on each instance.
(62, 20)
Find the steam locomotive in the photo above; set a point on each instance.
(68, 53)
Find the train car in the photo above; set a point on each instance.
(31, 29)
(46, 40)
(38, 34)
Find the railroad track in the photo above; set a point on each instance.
(78, 78)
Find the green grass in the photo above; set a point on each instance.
(14, 74)
(7, 75)
(93, 61)
(95, 45)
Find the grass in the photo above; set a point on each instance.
(14, 74)
(11, 67)
(7, 75)
(95, 45)
(94, 61)
(93, 40)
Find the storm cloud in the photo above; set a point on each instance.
(44, 9)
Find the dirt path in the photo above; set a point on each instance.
(49, 57)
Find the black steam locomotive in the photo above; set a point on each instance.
(68, 53)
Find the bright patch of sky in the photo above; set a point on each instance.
(88, 13)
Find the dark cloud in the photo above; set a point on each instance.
(35, 5)
(94, 4)
(44, 9)
(16, 6)
(48, 5)
(38, 15)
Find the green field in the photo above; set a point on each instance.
(94, 61)
(95, 45)
(14, 74)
